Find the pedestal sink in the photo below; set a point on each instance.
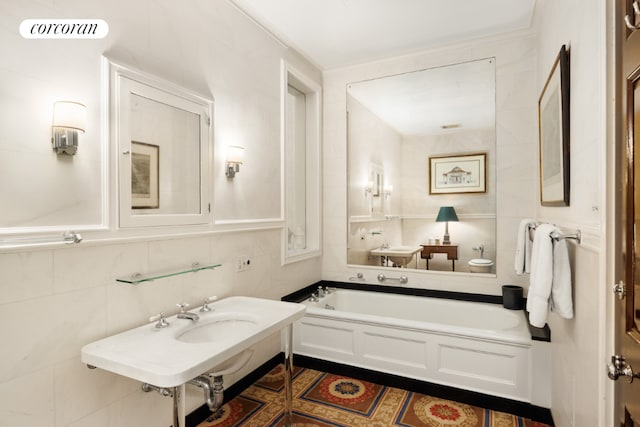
(400, 255)
(171, 356)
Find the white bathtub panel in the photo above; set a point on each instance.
(502, 369)
(324, 337)
(391, 347)
(472, 364)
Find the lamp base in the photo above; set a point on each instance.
(445, 239)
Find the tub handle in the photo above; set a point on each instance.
(401, 279)
(358, 278)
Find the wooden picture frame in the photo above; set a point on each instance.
(553, 132)
(145, 161)
(458, 174)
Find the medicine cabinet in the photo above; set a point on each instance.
(161, 136)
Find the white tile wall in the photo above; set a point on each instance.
(54, 301)
(44, 333)
(578, 382)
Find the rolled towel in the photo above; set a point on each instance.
(522, 262)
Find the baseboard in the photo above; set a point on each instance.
(521, 409)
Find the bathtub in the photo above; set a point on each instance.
(475, 346)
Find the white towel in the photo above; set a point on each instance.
(561, 298)
(522, 262)
(550, 281)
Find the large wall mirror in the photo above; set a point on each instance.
(421, 169)
(163, 145)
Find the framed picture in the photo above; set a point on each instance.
(553, 131)
(458, 174)
(144, 175)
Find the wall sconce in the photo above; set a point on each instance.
(446, 214)
(235, 157)
(368, 188)
(68, 120)
(388, 189)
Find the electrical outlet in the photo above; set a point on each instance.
(243, 263)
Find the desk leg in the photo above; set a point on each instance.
(453, 265)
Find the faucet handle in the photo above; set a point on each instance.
(183, 307)
(205, 303)
(162, 321)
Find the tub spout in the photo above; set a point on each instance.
(213, 393)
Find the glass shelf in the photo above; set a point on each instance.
(137, 278)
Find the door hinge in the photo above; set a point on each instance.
(208, 121)
(209, 207)
(620, 290)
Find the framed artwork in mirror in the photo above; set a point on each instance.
(458, 174)
(144, 175)
(553, 131)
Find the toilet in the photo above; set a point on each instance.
(480, 265)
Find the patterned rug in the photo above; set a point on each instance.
(327, 400)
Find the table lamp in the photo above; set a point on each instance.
(446, 214)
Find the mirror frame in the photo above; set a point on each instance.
(356, 220)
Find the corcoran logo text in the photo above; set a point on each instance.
(64, 29)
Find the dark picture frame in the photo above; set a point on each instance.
(145, 161)
(458, 174)
(553, 133)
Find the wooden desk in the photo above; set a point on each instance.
(451, 251)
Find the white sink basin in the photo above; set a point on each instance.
(170, 357)
(219, 328)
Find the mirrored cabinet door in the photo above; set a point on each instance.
(162, 139)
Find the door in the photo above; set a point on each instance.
(625, 365)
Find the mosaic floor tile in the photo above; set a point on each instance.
(328, 400)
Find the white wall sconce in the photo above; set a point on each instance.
(68, 120)
(368, 188)
(235, 157)
(388, 189)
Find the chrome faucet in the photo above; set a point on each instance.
(480, 248)
(184, 314)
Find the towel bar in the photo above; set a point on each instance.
(577, 236)
(556, 236)
(402, 279)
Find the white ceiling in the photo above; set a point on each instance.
(336, 33)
